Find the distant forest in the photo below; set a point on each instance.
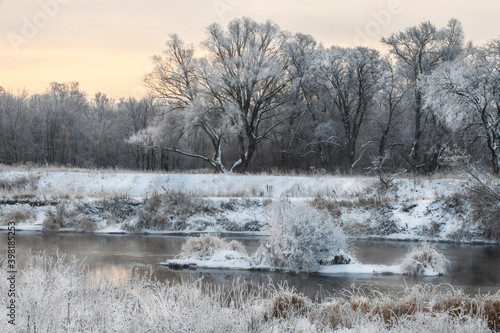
(260, 98)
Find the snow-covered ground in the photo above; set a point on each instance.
(95, 184)
(413, 208)
(234, 260)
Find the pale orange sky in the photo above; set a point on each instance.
(106, 45)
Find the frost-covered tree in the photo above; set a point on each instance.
(418, 50)
(348, 81)
(299, 132)
(301, 238)
(55, 124)
(467, 94)
(247, 77)
(390, 106)
(137, 115)
(13, 127)
(175, 80)
(233, 95)
(107, 125)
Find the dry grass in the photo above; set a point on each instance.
(202, 247)
(16, 215)
(421, 299)
(21, 183)
(286, 304)
(66, 217)
(57, 219)
(170, 211)
(424, 258)
(330, 205)
(205, 246)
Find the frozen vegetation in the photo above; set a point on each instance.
(437, 208)
(425, 260)
(61, 295)
(212, 252)
(302, 239)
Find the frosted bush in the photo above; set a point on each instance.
(16, 215)
(425, 260)
(236, 246)
(58, 219)
(301, 238)
(205, 246)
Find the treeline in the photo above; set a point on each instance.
(63, 127)
(260, 98)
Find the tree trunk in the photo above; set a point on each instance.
(418, 127)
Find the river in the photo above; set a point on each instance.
(474, 268)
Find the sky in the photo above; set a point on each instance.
(106, 45)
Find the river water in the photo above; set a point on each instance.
(474, 268)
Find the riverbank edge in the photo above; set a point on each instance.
(411, 209)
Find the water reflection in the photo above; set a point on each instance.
(474, 268)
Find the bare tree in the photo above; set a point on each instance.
(248, 80)
(55, 123)
(175, 80)
(349, 80)
(467, 93)
(13, 123)
(418, 50)
(390, 109)
(233, 95)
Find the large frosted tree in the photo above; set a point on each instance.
(348, 80)
(467, 93)
(248, 79)
(187, 109)
(233, 95)
(418, 50)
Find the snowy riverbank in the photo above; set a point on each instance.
(110, 202)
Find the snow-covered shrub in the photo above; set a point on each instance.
(170, 211)
(58, 219)
(202, 247)
(425, 260)
(16, 215)
(301, 238)
(236, 246)
(331, 205)
(205, 246)
(115, 209)
(485, 211)
(85, 224)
